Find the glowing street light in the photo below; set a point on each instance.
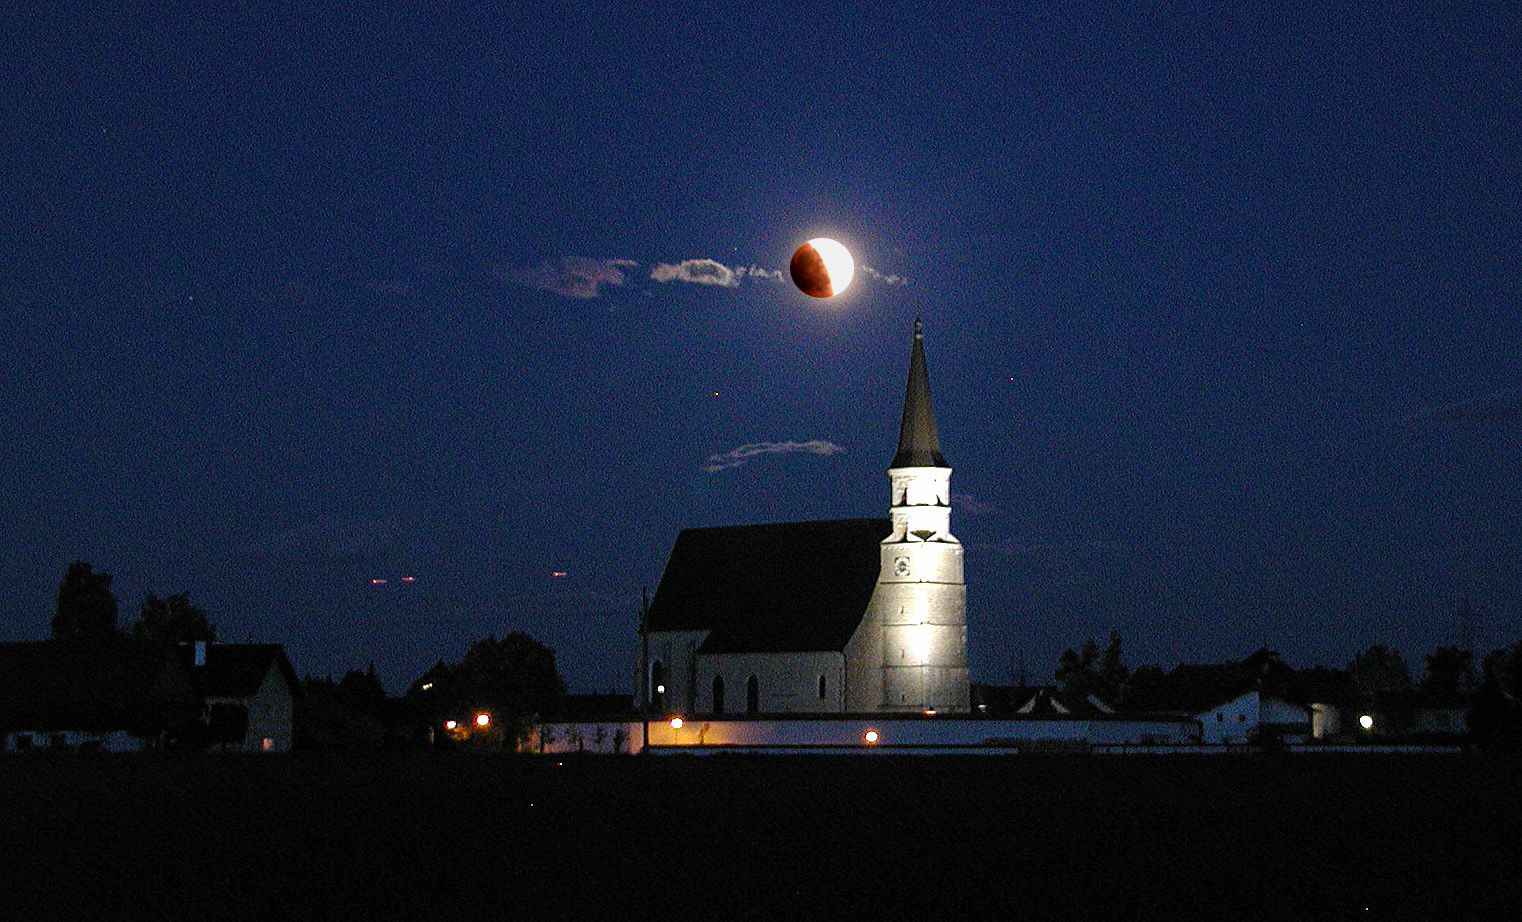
(870, 737)
(677, 723)
(1366, 721)
(451, 724)
(483, 719)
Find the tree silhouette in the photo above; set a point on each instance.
(173, 620)
(1090, 672)
(86, 608)
(1449, 671)
(363, 690)
(1379, 670)
(511, 679)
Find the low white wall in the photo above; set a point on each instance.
(852, 732)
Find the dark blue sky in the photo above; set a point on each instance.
(1222, 308)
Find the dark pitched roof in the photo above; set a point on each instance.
(1195, 688)
(235, 670)
(116, 684)
(919, 444)
(771, 588)
(1036, 701)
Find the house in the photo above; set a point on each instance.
(1239, 702)
(250, 692)
(115, 694)
(845, 616)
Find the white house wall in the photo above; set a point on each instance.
(676, 652)
(271, 714)
(786, 683)
(1230, 722)
(1238, 720)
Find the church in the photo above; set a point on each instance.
(850, 616)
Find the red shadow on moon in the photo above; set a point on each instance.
(810, 273)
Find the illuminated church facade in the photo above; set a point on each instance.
(851, 616)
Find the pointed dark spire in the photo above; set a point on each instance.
(918, 443)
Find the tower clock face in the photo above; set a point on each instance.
(901, 566)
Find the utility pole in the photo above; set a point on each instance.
(644, 668)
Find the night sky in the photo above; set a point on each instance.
(1222, 314)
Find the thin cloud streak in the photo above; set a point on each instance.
(897, 281)
(573, 276)
(1502, 407)
(738, 456)
(698, 272)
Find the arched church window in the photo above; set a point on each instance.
(718, 694)
(752, 695)
(658, 687)
(821, 688)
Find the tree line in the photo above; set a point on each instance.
(1491, 690)
(510, 679)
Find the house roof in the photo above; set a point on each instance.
(236, 670)
(111, 684)
(1196, 688)
(779, 588)
(919, 443)
(1033, 702)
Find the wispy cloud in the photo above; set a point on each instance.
(586, 279)
(697, 271)
(1502, 407)
(971, 505)
(756, 272)
(738, 456)
(573, 276)
(897, 281)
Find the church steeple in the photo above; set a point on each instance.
(915, 632)
(919, 445)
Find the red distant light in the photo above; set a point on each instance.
(377, 582)
(409, 579)
(558, 573)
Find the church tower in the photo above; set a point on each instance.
(918, 616)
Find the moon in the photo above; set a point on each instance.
(822, 268)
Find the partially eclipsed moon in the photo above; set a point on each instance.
(821, 268)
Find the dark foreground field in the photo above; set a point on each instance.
(413, 836)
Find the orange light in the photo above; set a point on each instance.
(930, 712)
(451, 724)
(870, 736)
(676, 723)
(483, 719)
